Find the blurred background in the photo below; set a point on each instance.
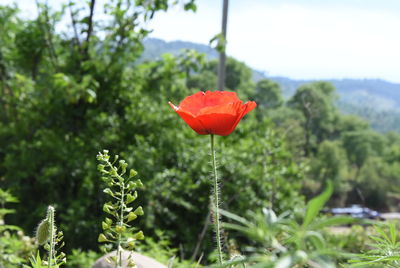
(77, 77)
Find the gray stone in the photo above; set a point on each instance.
(140, 260)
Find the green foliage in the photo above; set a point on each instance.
(385, 249)
(268, 94)
(330, 163)
(63, 96)
(238, 77)
(289, 240)
(316, 102)
(14, 245)
(360, 145)
(160, 249)
(118, 231)
(36, 262)
(82, 259)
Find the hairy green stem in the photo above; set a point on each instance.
(50, 217)
(216, 202)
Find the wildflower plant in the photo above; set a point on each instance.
(287, 241)
(118, 233)
(385, 248)
(213, 113)
(51, 240)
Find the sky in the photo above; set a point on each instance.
(301, 39)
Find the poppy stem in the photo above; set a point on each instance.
(216, 202)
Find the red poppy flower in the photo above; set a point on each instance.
(216, 112)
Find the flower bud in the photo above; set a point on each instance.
(43, 232)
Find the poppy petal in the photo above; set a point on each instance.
(193, 122)
(230, 108)
(245, 108)
(219, 97)
(193, 103)
(219, 124)
(196, 102)
(217, 112)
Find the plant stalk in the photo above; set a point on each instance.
(121, 223)
(216, 202)
(50, 216)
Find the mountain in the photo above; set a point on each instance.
(376, 100)
(375, 93)
(154, 48)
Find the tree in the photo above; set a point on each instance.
(360, 145)
(348, 122)
(330, 163)
(238, 77)
(268, 94)
(316, 102)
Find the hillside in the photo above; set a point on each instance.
(376, 100)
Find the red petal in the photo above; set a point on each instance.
(200, 100)
(219, 124)
(232, 108)
(247, 107)
(193, 103)
(216, 112)
(220, 97)
(193, 122)
(189, 119)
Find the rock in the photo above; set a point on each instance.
(140, 260)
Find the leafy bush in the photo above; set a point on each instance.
(15, 246)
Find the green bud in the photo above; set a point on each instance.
(43, 232)
(113, 172)
(139, 211)
(100, 167)
(131, 216)
(108, 191)
(139, 235)
(139, 183)
(108, 209)
(105, 225)
(130, 198)
(102, 238)
(120, 229)
(132, 173)
(130, 245)
(131, 185)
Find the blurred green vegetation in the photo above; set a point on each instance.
(64, 96)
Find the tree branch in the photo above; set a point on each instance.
(90, 22)
(78, 43)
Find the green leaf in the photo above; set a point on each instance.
(332, 221)
(315, 205)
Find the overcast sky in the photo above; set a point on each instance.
(296, 38)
